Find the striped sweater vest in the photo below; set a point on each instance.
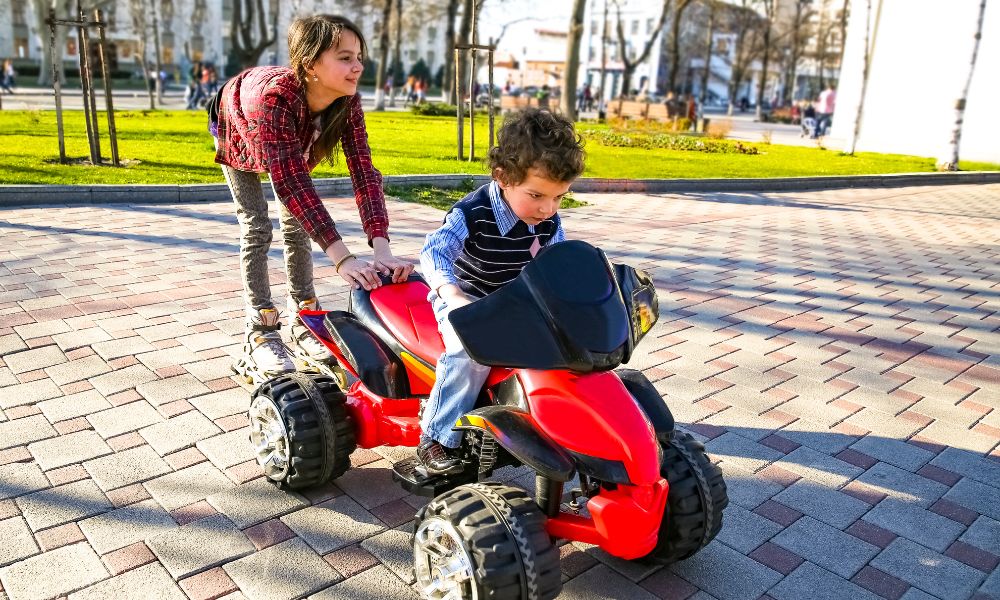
(490, 260)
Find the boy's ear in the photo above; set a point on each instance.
(498, 174)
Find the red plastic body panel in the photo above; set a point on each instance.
(594, 414)
(383, 421)
(406, 313)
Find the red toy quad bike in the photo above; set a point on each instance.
(552, 402)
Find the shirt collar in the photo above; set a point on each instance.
(506, 219)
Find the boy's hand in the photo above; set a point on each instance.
(453, 296)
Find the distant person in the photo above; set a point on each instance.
(825, 106)
(7, 76)
(744, 104)
(543, 97)
(691, 111)
(195, 91)
(673, 105)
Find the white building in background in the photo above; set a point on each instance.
(920, 53)
(639, 19)
(198, 30)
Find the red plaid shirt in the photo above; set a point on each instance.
(265, 127)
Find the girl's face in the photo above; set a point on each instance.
(338, 69)
(536, 198)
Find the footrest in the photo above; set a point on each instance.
(405, 473)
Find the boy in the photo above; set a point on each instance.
(486, 239)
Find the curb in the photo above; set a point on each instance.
(34, 195)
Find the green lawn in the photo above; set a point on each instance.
(174, 147)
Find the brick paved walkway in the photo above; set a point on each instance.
(838, 352)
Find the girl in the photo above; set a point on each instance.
(283, 121)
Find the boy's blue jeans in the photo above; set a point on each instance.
(459, 381)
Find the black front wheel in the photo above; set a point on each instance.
(484, 540)
(300, 430)
(695, 501)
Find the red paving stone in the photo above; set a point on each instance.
(128, 558)
(57, 537)
(881, 583)
(873, 534)
(973, 556)
(663, 584)
(184, 458)
(269, 534)
(193, 512)
(777, 512)
(66, 475)
(351, 560)
(209, 585)
(126, 441)
(955, 512)
(777, 558)
(129, 494)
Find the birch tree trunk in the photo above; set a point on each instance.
(950, 163)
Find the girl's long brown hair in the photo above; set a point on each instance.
(307, 39)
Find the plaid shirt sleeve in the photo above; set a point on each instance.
(289, 169)
(366, 178)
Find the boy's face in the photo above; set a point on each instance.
(536, 198)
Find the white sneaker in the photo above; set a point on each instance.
(304, 342)
(264, 354)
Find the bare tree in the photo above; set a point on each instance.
(572, 59)
(951, 162)
(675, 42)
(247, 47)
(628, 63)
(447, 81)
(138, 10)
(745, 21)
(768, 22)
(799, 34)
(383, 54)
(64, 9)
(713, 7)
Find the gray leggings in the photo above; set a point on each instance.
(255, 241)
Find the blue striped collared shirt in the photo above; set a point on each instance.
(444, 245)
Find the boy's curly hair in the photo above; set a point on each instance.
(535, 138)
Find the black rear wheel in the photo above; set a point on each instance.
(695, 501)
(484, 540)
(300, 430)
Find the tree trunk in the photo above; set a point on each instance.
(41, 11)
(448, 79)
(572, 60)
(245, 49)
(951, 162)
(465, 36)
(675, 43)
(769, 18)
(383, 55)
(706, 72)
(629, 65)
(156, 49)
(397, 54)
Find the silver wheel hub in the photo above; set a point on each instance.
(269, 437)
(443, 566)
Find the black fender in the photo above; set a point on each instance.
(650, 401)
(377, 366)
(514, 430)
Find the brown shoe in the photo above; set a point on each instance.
(435, 459)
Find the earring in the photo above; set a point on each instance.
(315, 78)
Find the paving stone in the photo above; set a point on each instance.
(286, 571)
(745, 530)
(119, 347)
(827, 547)
(11, 343)
(917, 594)
(983, 534)
(394, 548)
(162, 391)
(179, 432)
(748, 490)
(52, 574)
(125, 526)
(68, 449)
(371, 485)
(169, 357)
(958, 437)
(819, 467)
(77, 370)
(973, 466)
(255, 502)
(228, 449)
(742, 423)
(166, 331)
(222, 404)
(199, 546)
(934, 573)
(80, 338)
(991, 587)
(28, 393)
(376, 583)
(73, 406)
(37, 358)
(150, 582)
(829, 442)
(634, 571)
(745, 454)
(820, 502)
(124, 418)
(18, 543)
(207, 370)
(743, 577)
(603, 583)
(126, 467)
(816, 583)
(918, 524)
(895, 452)
(903, 485)
(63, 504)
(207, 340)
(18, 479)
(333, 524)
(187, 486)
(976, 496)
(120, 380)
